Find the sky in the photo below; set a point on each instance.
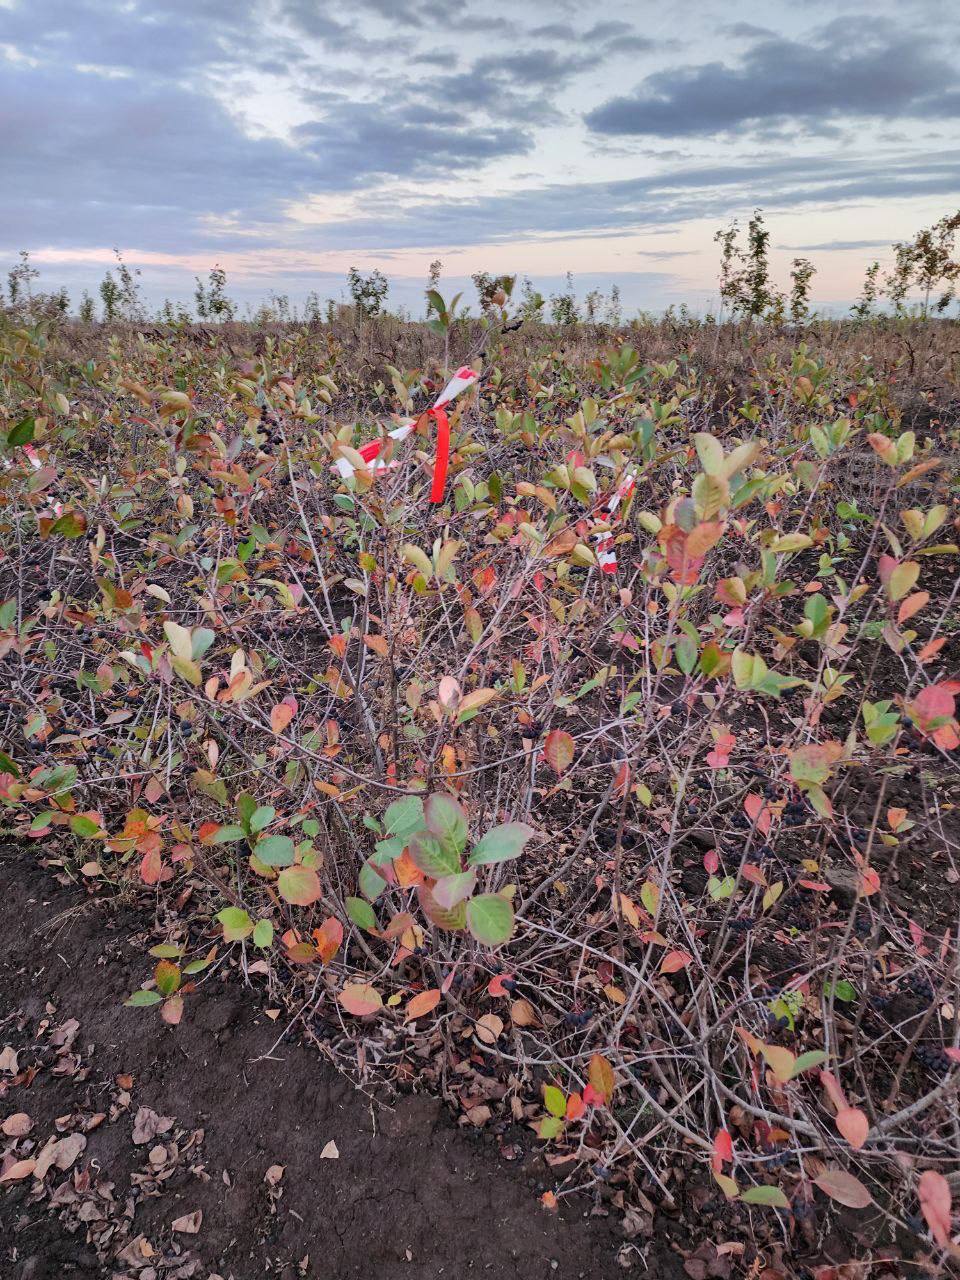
(288, 140)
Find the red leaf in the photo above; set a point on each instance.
(758, 812)
(722, 1149)
(496, 987)
(673, 961)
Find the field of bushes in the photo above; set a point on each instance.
(629, 827)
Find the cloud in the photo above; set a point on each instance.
(109, 161)
(167, 40)
(674, 195)
(356, 141)
(847, 70)
(830, 246)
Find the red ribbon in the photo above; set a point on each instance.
(442, 459)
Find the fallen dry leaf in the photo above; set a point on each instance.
(61, 1152)
(330, 1151)
(523, 1014)
(19, 1170)
(274, 1174)
(148, 1125)
(189, 1224)
(8, 1060)
(18, 1125)
(489, 1028)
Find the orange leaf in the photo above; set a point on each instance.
(934, 1192)
(359, 998)
(913, 604)
(407, 871)
(869, 881)
(422, 1004)
(601, 1077)
(853, 1125)
(282, 714)
(834, 1091)
(329, 938)
(758, 812)
(673, 961)
(575, 1107)
(558, 750)
(151, 867)
(931, 649)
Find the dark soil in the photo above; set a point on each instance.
(408, 1195)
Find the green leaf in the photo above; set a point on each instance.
(200, 642)
(490, 919)
(842, 990)
(771, 1196)
(806, 1061)
(263, 934)
(404, 817)
(361, 913)
(432, 857)
(554, 1100)
(246, 808)
(372, 884)
(387, 850)
(785, 544)
(84, 827)
(143, 999)
(237, 924)
(22, 433)
(420, 561)
(710, 453)
(500, 844)
(550, 1127)
(275, 851)
(447, 820)
(719, 889)
(261, 818)
(70, 525)
(227, 834)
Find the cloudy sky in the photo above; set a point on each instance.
(290, 139)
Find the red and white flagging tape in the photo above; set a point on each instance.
(370, 453)
(606, 512)
(604, 538)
